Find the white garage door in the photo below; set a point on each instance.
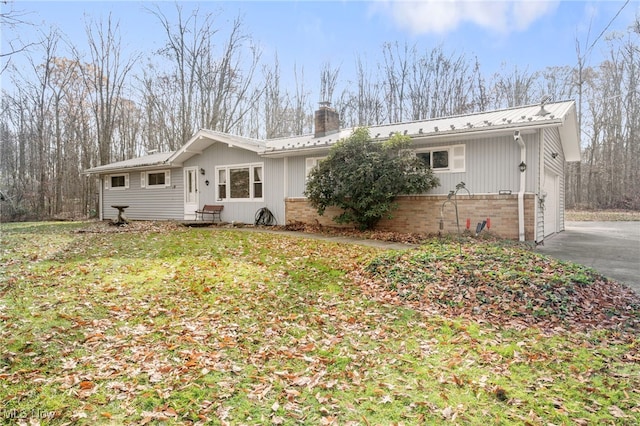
(551, 203)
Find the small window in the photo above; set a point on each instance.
(310, 163)
(117, 181)
(425, 157)
(156, 179)
(440, 159)
(451, 158)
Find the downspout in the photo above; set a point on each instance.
(285, 186)
(101, 197)
(523, 167)
(539, 206)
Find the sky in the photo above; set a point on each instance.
(529, 34)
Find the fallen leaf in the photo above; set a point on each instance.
(616, 412)
(86, 384)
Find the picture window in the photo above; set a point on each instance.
(240, 182)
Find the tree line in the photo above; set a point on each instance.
(71, 110)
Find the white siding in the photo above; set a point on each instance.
(146, 203)
(554, 166)
(220, 154)
(492, 166)
(296, 176)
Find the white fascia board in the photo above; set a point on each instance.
(160, 166)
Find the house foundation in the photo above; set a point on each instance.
(424, 214)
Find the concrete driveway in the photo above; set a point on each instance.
(611, 248)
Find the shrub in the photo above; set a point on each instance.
(363, 177)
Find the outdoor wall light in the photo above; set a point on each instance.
(206, 182)
(554, 155)
(202, 172)
(522, 167)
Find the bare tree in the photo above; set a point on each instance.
(274, 102)
(610, 121)
(481, 94)
(213, 90)
(328, 81)
(106, 75)
(186, 42)
(161, 129)
(41, 101)
(13, 20)
(302, 120)
(369, 97)
(514, 88)
(396, 70)
(233, 94)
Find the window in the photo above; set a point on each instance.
(257, 182)
(310, 163)
(222, 184)
(444, 159)
(239, 185)
(155, 179)
(117, 181)
(241, 182)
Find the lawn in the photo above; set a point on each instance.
(161, 324)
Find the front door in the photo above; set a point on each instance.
(191, 193)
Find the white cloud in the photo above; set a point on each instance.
(443, 16)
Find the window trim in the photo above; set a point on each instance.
(144, 179)
(456, 160)
(252, 182)
(108, 181)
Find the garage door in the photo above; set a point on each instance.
(551, 203)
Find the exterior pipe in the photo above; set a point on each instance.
(100, 195)
(523, 156)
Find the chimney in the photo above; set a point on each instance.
(327, 120)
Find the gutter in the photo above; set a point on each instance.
(523, 156)
(94, 171)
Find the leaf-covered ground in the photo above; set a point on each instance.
(503, 284)
(157, 324)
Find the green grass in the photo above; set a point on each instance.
(191, 326)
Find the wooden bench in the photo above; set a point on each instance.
(213, 210)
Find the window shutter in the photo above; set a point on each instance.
(126, 181)
(167, 178)
(107, 179)
(143, 180)
(457, 158)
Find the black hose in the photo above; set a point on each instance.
(265, 217)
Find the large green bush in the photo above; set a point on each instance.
(363, 177)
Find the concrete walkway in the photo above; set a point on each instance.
(611, 248)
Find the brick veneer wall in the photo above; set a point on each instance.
(421, 214)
